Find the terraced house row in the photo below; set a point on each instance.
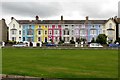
(46, 30)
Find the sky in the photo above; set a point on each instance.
(53, 9)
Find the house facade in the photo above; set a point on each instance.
(56, 30)
(95, 28)
(110, 30)
(14, 30)
(3, 30)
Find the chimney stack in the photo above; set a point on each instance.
(86, 21)
(87, 18)
(62, 18)
(12, 18)
(3, 19)
(37, 18)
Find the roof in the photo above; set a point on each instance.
(60, 22)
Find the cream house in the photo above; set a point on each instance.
(109, 29)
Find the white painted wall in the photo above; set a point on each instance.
(113, 27)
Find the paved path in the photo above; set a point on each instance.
(15, 77)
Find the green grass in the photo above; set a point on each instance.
(60, 63)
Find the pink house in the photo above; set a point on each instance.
(54, 32)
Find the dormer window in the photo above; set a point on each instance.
(110, 26)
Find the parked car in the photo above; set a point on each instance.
(114, 45)
(95, 45)
(19, 45)
(50, 44)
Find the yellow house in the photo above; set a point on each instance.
(44, 33)
(109, 29)
(41, 33)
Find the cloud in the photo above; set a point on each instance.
(96, 9)
(30, 9)
(72, 9)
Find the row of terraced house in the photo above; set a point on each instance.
(46, 30)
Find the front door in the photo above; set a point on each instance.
(45, 39)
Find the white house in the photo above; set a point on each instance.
(15, 31)
(109, 30)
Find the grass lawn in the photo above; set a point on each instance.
(50, 63)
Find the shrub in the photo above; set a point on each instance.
(72, 42)
(102, 39)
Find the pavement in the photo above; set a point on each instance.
(17, 77)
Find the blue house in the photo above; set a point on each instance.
(94, 29)
(28, 32)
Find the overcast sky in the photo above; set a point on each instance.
(53, 9)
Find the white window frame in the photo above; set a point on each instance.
(39, 31)
(39, 39)
(50, 31)
(56, 26)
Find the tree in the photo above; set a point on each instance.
(72, 41)
(102, 39)
(118, 40)
(93, 40)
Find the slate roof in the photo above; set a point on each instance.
(60, 22)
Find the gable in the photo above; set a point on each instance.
(13, 22)
(110, 21)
